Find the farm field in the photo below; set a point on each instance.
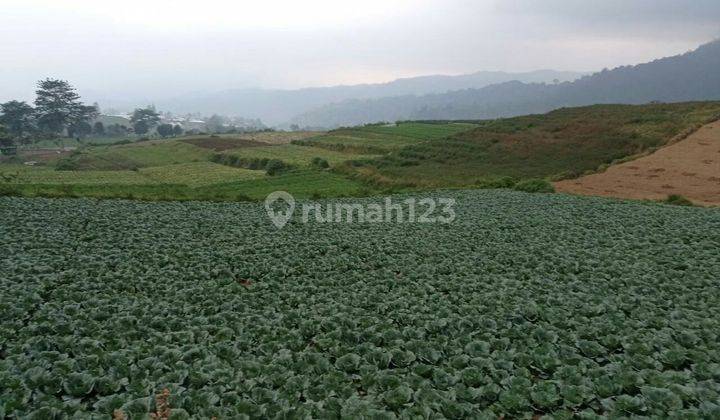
(139, 155)
(192, 181)
(561, 145)
(190, 174)
(580, 307)
(187, 168)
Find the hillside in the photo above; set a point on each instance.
(276, 107)
(361, 160)
(690, 167)
(686, 77)
(222, 168)
(561, 144)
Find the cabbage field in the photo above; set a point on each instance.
(525, 305)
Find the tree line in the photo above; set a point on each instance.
(59, 112)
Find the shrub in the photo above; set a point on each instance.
(534, 186)
(275, 166)
(66, 164)
(678, 200)
(501, 182)
(319, 162)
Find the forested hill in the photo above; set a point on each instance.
(688, 77)
(279, 106)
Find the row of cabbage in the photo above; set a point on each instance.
(525, 305)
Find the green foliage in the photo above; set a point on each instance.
(320, 163)
(270, 166)
(58, 105)
(678, 200)
(67, 164)
(18, 117)
(165, 130)
(534, 186)
(521, 307)
(5, 139)
(275, 166)
(144, 119)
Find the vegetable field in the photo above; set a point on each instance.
(525, 305)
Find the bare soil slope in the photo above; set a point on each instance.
(690, 168)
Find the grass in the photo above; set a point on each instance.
(192, 174)
(140, 155)
(301, 184)
(294, 154)
(197, 174)
(71, 142)
(419, 130)
(352, 141)
(564, 143)
(678, 200)
(383, 139)
(269, 137)
(22, 174)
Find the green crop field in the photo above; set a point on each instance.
(190, 174)
(525, 305)
(182, 170)
(140, 155)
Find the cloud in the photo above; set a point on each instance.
(607, 16)
(172, 47)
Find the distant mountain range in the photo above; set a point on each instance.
(688, 77)
(275, 107)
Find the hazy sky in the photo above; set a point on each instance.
(156, 48)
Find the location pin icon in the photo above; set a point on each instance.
(279, 218)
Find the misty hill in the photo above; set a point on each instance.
(279, 106)
(689, 77)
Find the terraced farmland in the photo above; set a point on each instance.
(525, 305)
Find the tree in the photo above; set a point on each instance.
(5, 139)
(165, 130)
(144, 119)
(80, 129)
(98, 129)
(117, 130)
(80, 123)
(177, 130)
(58, 105)
(215, 124)
(17, 117)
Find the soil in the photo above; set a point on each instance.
(690, 168)
(219, 144)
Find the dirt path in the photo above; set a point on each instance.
(690, 168)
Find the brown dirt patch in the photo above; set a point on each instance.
(239, 141)
(680, 168)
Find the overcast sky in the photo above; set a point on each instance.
(162, 48)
